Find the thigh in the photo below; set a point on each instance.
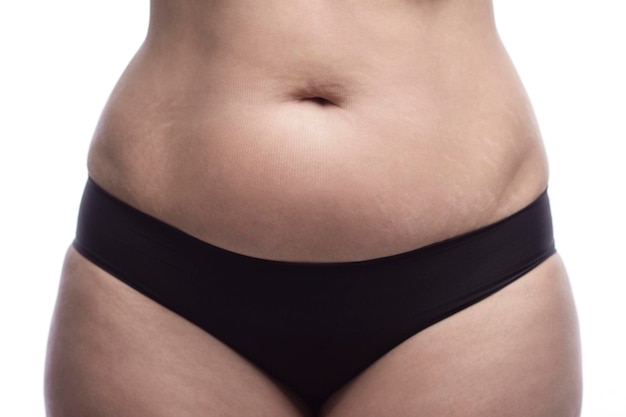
(114, 352)
(514, 354)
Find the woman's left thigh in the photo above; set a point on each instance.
(514, 354)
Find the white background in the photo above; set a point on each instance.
(60, 59)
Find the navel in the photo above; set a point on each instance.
(321, 101)
(323, 94)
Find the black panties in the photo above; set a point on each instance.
(312, 326)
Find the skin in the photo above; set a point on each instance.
(387, 125)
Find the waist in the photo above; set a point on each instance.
(320, 167)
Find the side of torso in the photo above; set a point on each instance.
(426, 133)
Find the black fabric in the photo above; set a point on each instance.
(312, 326)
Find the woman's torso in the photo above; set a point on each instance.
(426, 133)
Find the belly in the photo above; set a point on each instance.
(312, 139)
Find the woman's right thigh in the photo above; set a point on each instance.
(114, 352)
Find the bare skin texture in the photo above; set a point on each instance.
(318, 131)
